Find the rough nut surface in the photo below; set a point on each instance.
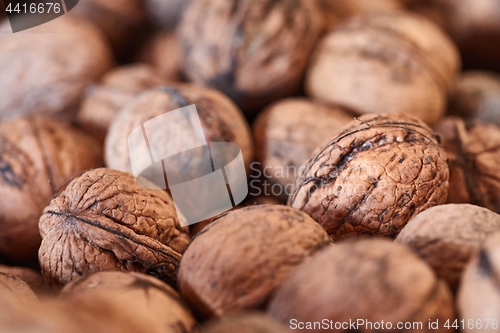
(32, 278)
(37, 155)
(103, 221)
(236, 262)
(13, 289)
(253, 51)
(446, 236)
(163, 52)
(245, 323)
(371, 179)
(370, 279)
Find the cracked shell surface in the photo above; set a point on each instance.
(245, 323)
(370, 279)
(379, 172)
(102, 220)
(236, 262)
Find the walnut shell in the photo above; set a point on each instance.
(447, 236)
(385, 62)
(46, 69)
(474, 153)
(237, 261)
(253, 51)
(372, 280)
(245, 323)
(371, 179)
(163, 52)
(37, 155)
(32, 278)
(13, 289)
(166, 14)
(103, 221)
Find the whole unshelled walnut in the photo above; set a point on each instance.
(378, 173)
(32, 278)
(391, 62)
(104, 221)
(253, 51)
(37, 155)
(474, 152)
(447, 236)
(47, 68)
(167, 14)
(163, 52)
(13, 289)
(372, 280)
(237, 261)
(245, 323)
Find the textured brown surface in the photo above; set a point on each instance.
(46, 69)
(474, 153)
(37, 155)
(166, 14)
(103, 221)
(32, 278)
(385, 63)
(253, 51)
(371, 179)
(371, 279)
(13, 289)
(245, 323)
(236, 262)
(163, 52)
(447, 236)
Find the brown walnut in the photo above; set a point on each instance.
(103, 221)
(447, 236)
(372, 280)
(237, 261)
(32, 278)
(379, 172)
(37, 155)
(167, 14)
(245, 323)
(13, 289)
(163, 52)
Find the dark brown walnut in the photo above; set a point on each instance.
(474, 152)
(166, 14)
(477, 96)
(245, 323)
(253, 51)
(373, 280)
(385, 62)
(447, 236)
(378, 173)
(236, 262)
(13, 289)
(163, 52)
(32, 278)
(117, 88)
(47, 68)
(286, 134)
(103, 221)
(37, 155)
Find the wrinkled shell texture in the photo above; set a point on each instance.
(287, 132)
(478, 293)
(166, 14)
(13, 289)
(46, 79)
(246, 323)
(385, 63)
(103, 221)
(371, 179)
(447, 236)
(117, 88)
(221, 121)
(253, 51)
(237, 261)
(32, 278)
(163, 52)
(371, 279)
(37, 155)
(473, 150)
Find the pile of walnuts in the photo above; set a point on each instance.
(251, 166)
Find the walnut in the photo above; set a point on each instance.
(102, 220)
(236, 262)
(166, 14)
(46, 69)
(117, 88)
(163, 52)
(287, 132)
(13, 289)
(385, 62)
(245, 323)
(32, 278)
(37, 155)
(373, 177)
(253, 51)
(373, 280)
(446, 237)
(473, 150)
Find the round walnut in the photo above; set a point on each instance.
(385, 63)
(373, 280)
(478, 298)
(103, 221)
(166, 14)
(254, 51)
(46, 69)
(32, 278)
(447, 236)
(117, 88)
(287, 132)
(237, 261)
(13, 289)
(245, 323)
(163, 52)
(474, 153)
(37, 155)
(379, 172)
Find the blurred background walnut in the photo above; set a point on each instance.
(166, 14)
(162, 51)
(253, 322)
(32, 278)
(13, 289)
